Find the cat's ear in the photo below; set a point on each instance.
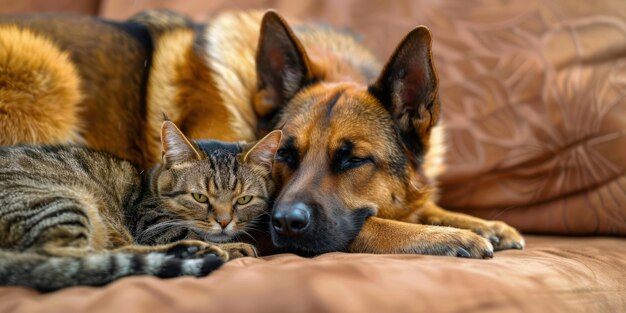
(282, 64)
(176, 148)
(407, 88)
(263, 151)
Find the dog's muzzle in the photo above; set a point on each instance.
(306, 228)
(291, 219)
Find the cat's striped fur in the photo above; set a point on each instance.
(74, 216)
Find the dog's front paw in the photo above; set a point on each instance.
(501, 235)
(238, 250)
(193, 249)
(460, 243)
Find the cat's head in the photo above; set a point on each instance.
(219, 194)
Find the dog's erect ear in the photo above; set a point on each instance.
(176, 148)
(263, 151)
(281, 63)
(407, 87)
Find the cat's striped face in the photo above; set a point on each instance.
(221, 195)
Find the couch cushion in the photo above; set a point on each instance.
(534, 95)
(553, 274)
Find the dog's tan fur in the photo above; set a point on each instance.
(182, 87)
(76, 79)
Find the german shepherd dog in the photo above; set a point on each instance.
(359, 157)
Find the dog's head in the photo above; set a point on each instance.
(349, 150)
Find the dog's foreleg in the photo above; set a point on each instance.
(384, 236)
(501, 235)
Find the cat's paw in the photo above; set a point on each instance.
(238, 250)
(501, 235)
(194, 249)
(175, 267)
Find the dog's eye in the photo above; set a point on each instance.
(287, 156)
(282, 153)
(353, 162)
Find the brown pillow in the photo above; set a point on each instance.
(535, 103)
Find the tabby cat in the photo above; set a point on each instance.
(74, 216)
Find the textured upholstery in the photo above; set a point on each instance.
(554, 274)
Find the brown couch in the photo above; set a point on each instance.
(534, 96)
(551, 275)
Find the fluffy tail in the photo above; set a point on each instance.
(39, 90)
(51, 273)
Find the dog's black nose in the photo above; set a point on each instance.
(291, 219)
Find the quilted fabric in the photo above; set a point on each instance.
(534, 97)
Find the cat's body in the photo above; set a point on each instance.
(74, 216)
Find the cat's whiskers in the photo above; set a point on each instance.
(252, 227)
(148, 234)
(244, 232)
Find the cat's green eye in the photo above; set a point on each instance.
(200, 197)
(244, 200)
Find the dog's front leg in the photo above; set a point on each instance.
(501, 235)
(384, 236)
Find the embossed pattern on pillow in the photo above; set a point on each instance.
(535, 101)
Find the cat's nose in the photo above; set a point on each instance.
(224, 221)
(291, 219)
